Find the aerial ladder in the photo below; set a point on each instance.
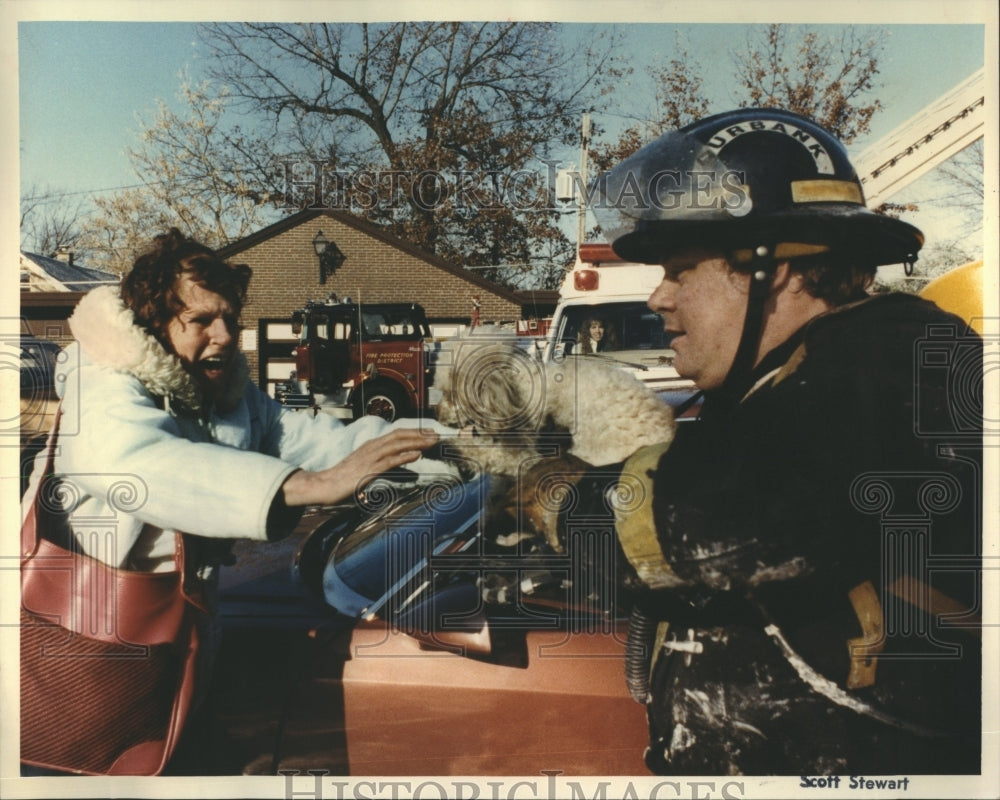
(944, 127)
(936, 133)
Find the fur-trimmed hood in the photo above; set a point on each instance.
(108, 335)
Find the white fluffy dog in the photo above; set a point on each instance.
(520, 409)
(537, 427)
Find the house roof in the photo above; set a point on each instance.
(71, 277)
(375, 232)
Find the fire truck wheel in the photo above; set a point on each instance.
(381, 400)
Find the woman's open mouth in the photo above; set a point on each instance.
(212, 367)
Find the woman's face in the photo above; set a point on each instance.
(596, 330)
(204, 335)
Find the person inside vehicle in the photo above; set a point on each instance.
(160, 398)
(807, 550)
(596, 336)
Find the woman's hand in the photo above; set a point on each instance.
(343, 480)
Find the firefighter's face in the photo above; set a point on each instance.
(703, 303)
(203, 335)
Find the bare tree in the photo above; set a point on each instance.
(828, 78)
(430, 128)
(679, 98)
(123, 225)
(50, 219)
(961, 180)
(437, 131)
(208, 176)
(957, 186)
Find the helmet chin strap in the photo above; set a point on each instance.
(763, 265)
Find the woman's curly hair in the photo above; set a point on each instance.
(150, 289)
(583, 337)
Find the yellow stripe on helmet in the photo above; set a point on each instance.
(826, 191)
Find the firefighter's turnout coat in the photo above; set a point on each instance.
(811, 552)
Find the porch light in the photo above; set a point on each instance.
(329, 255)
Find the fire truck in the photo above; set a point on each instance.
(355, 359)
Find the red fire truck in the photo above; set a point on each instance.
(355, 359)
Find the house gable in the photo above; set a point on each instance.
(377, 268)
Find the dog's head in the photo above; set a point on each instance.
(491, 385)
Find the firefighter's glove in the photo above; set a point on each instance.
(635, 524)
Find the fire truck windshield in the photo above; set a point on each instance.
(321, 326)
(383, 324)
(373, 323)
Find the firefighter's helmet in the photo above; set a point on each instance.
(744, 179)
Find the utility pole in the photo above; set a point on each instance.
(585, 134)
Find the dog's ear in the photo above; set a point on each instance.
(486, 385)
(496, 399)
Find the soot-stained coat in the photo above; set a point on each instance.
(814, 550)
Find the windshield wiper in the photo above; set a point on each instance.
(606, 357)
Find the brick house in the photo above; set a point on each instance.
(373, 266)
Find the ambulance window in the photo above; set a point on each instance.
(628, 326)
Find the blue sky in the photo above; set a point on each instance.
(81, 86)
(83, 83)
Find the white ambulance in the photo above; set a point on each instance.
(602, 313)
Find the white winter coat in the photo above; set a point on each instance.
(142, 457)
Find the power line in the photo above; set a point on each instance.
(54, 196)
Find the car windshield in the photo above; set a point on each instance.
(610, 327)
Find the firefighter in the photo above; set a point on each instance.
(804, 558)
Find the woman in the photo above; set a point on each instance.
(595, 336)
(163, 432)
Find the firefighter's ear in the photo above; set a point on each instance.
(787, 278)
